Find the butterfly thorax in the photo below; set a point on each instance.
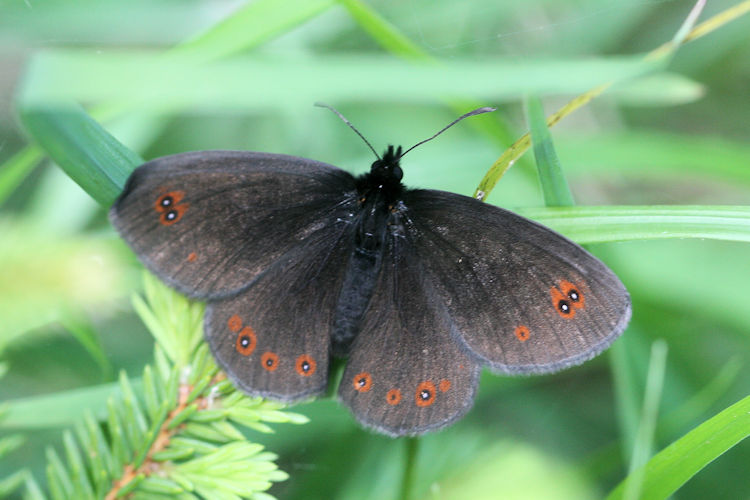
(379, 191)
(384, 178)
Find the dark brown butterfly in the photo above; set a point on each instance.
(299, 261)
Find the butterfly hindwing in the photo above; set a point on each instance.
(523, 298)
(273, 338)
(209, 222)
(406, 374)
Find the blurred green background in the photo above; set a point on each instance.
(674, 137)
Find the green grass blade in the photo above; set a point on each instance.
(554, 186)
(86, 334)
(669, 469)
(58, 409)
(176, 83)
(649, 416)
(89, 154)
(12, 482)
(649, 154)
(395, 42)
(384, 32)
(16, 168)
(700, 402)
(626, 394)
(598, 224)
(251, 25)
(660, 56)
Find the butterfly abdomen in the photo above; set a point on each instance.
(356, 292)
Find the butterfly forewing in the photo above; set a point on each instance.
(406, 374)
(209, 222)
(523, 298)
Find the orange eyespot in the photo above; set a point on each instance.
(169, 207)
(246, 341)
(362, 382)
(561, 304)
(192, 256)
(270, 361)
(393, 397)
(168, 200)
(425, 394)
(522, 333)
(305, 365)
(234, 324)
(573, 294)
(173, 214)
(444, 385)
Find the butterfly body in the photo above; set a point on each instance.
(299, 261)
(374, 220)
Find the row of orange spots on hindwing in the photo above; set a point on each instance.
(169, 207)
(423, 396)
(393, 397)
(246, 342)
(305, 365)
(362, 382)
(270, 361)
(246, 339)
(567, 298)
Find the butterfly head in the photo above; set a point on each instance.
(387, 169)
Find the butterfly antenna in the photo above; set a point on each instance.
(343, 118)
(477, 111)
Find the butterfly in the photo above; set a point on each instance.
(300, 262)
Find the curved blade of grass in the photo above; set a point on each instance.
(384, 32)
(672, 467)
(599, 224)
(94, 159)
(249, 26)
(554, 186)
(701, 401)
(660, 54)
